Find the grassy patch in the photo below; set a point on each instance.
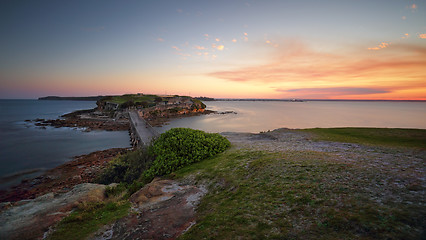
(134, 98)
(294, 195)
(374, 136)
(88, 218)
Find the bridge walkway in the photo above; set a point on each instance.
(142, 131)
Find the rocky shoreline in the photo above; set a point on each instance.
(91, 119)
(82, 169)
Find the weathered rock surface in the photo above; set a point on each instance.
(163, 209)
(30, 219)
(83, 169)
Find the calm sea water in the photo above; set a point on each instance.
(27, 150)
(256, 116)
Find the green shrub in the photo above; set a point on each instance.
(126, 168)
(179, 147)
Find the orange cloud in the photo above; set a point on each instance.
(413, 6)
(176, 48)
(296, 66)
(217, 40)
(422, 36)
(270, 43)
(406, 35)
(160, 39)
(218, 47)
(381, 46)
(245, 38)
(199, 47)
(234, 40)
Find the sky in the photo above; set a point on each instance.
(304, 49)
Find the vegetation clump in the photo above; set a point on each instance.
(180, 147)
(126, 168)
(173, 150)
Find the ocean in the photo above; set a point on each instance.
(27, 150)
(257, 116)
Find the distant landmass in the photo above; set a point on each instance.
(96, 98)
(91, 98)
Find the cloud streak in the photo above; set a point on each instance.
(332, 91)
(295, 64)
(380, 46)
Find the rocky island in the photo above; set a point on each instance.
(111, 113)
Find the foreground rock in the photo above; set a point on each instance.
(163, 209)
(30, 219)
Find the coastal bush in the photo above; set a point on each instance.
(179, 147)
(126, 168)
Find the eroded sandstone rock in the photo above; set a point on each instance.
(31, 218)
(163, 209)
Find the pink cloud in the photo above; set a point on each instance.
(295, 64)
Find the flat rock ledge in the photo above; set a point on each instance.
(30, 219)
(163, 209)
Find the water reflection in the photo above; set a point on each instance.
(256, 116)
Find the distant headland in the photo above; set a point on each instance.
(91, 98)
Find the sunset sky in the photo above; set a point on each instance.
(306, 49)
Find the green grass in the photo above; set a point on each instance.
(88, 218)
(293, 195)
(374, 136)
(133, 97)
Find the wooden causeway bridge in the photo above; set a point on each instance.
(141, 132)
